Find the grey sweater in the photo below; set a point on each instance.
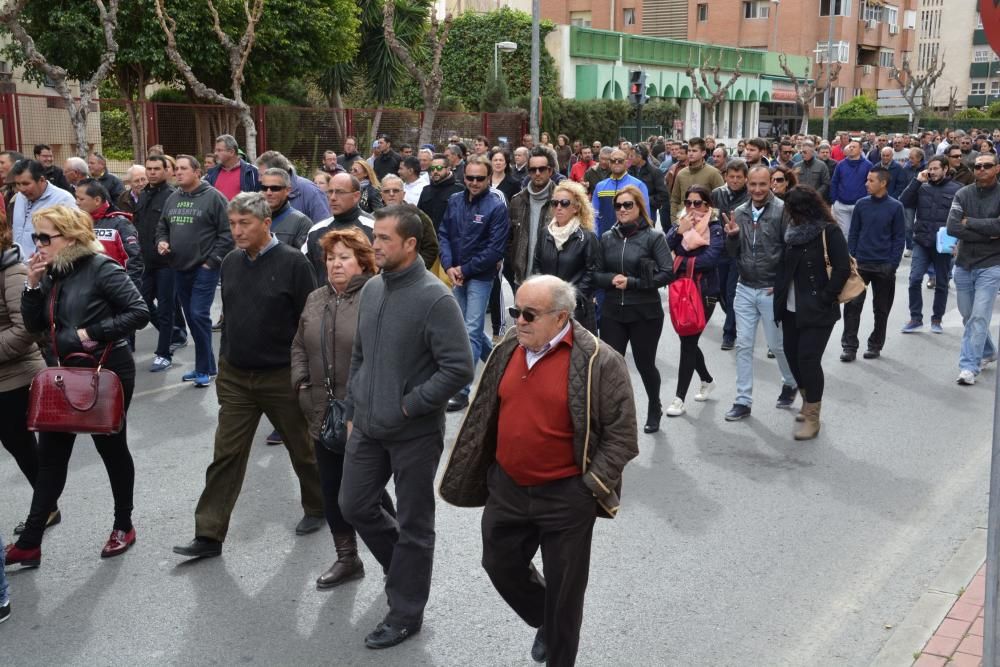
(410, 355)
(979, 246)
(196, 226)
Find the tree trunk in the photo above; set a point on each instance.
(78, 116)
(713, 124)
(915, 123)
(804, 127)
(375, 123)
(337, 102)
(246, 118)
(427, 129)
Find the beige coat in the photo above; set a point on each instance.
(20, 359)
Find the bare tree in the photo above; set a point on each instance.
(917, 89)
(78, 108)
(429, 78)
(713, 95)
(952, 102)
(238, 53)
(806, 92)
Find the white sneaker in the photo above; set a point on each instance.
(676, 408)
(986, 362)
(706, 389)
(965, 377)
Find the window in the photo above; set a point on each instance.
(871, 11)
(580, 19)
(890, 15)
(982, 55)
(927, 54)
(840, 50)
(886, 57)
(756, 9)
(994, 87)
(703, 11)
(836, 98)
(930, 24)
(909, 19)
(628, 16)
(978, 88)
(840, 7)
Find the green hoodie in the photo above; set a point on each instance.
(196, 226)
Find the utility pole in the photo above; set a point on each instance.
(536, 12)
(829, 68)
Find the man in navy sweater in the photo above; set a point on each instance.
(876, 241)
(847, 185)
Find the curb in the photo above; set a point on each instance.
(926, 615)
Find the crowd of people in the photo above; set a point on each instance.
(342, 295)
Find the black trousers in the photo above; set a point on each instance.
(331, 475)
(54, 451)
(14, 433)
(804, 349)
(692, 358)
(644, 335)
(882, 278)
(402, 544)
(559, 518)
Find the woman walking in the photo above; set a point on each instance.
(569, 249)
(371, 189)
(20, 360)
(633, 263)
(805, 298)
(501, 178)
(321, 359)
(698, 242)
(90, 305)
(783, 179)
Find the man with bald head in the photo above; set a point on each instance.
(546, 439)
(344, 194)
(847, 184)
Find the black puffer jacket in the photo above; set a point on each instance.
(147, 215)
(434, 199)
(815, 293)
(932, 200)
(576, 263)
(94, 293)
(643, 257)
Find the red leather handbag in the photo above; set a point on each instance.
(71, 399)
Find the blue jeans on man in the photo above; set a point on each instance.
(924, 258)
(976, 290)
(197, 291)
(473, 297)
(753, 305)
(159, 287)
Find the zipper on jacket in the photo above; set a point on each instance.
(378, 332)
(624, 243)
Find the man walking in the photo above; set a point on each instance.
(930, 196)
(974, 219)
(193, 233)
(34, 193)
(344, 194)
(413, 179)
(599, 170)
(386, 160)
(232, 174)
(755, 238)
(605, 191)
(876, 241)
(812, 171)
(289, 225)
(847, 185)
(265, 287)
(304, 195)
(580, 167)
(725, 199)
(473, 238)
(98, 167)
(53, 174)
(405, 348)
(543, 448)
(697, 172)
(434, 197)
(529, 212)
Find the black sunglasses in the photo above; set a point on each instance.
(618, 160)
(627, 205)
(273, 188)
(777, 180)
(562, 203)
(694, 203)
(983, 167)
(43, 239)
(538, 170)
(528, 315)
(475, 179)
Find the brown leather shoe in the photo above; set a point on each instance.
(348, 566)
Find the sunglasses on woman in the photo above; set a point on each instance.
(694, 203)
(562, 203)
(43, 240)
(627, 205)
(777, 180)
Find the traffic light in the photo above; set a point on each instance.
(637, 87)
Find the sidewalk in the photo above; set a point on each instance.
(958, 641)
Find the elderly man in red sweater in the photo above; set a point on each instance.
(545, 456)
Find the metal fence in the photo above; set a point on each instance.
(124, 130)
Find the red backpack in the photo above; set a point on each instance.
(687, 310)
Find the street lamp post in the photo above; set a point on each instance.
(776, 4)
(506, 47)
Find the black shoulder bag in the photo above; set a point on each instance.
(333, 430)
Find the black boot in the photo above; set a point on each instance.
(348, 566)
(653, 415)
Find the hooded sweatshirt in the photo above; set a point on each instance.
(196, 226)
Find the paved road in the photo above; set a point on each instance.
(735, 545)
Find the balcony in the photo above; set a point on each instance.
(596, 44)
(872, 33)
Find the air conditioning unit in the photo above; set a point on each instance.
(871, 24)
(894, 30)
(867, 69)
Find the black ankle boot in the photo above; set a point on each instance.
(653, 415)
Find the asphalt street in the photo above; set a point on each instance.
(735, 544)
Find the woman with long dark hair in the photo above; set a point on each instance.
(697, 239)
(805, 297)
(783, 179)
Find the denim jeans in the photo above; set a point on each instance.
(753, 305)
(473, 297)
(160, 285)
(728, 278)
(908, 215)
(197, 291)
(4, 598)
(924, 258)
(976, 290)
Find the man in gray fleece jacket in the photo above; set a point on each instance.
(974, 219)
(410, 356)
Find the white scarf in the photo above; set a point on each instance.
(561, 234)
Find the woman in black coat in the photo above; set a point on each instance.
(501, 178)
(805, 297)
(93, 307)
(568, 248)
(633, 264)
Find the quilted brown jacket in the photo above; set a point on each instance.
(602, 407)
